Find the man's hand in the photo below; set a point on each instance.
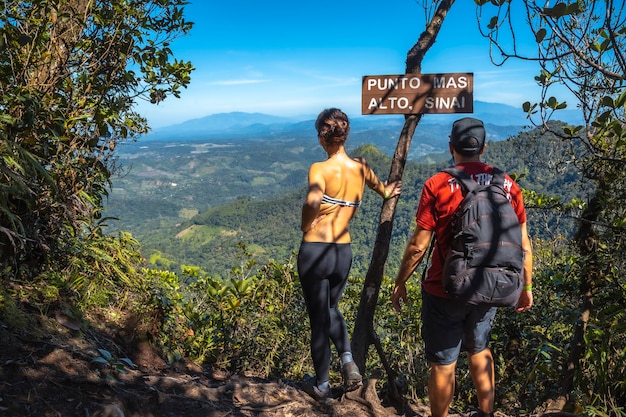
(525, 301)
(399, 293)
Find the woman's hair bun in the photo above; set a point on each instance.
(332, 126)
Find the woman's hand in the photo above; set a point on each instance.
(392, 189)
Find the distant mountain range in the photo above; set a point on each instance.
(239, 125)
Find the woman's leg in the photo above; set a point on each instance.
(312, 270)
(338, 331)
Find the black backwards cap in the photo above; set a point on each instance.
(468, 136)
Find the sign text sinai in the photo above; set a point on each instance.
(418, 93)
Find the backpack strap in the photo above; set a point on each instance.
(468, 182)
(498, 177)
(431, 246)
(463, 178)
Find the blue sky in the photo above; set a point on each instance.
(297, 58)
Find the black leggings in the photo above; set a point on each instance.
(323, 270)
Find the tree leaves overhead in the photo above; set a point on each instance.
(71, 73)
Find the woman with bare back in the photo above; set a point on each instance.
(335, 191)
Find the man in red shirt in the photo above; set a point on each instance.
(449, 326)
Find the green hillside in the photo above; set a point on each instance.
(159, 185)
(258, 204)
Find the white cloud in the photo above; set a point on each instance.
(237, 82)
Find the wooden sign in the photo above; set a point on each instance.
(418, 93)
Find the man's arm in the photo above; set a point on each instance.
(413, 254)
(526, 298)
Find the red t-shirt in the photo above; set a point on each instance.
(440, 198)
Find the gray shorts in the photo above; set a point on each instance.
(449, 326)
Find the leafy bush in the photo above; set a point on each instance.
(253, 323)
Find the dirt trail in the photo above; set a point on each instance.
(55, 374)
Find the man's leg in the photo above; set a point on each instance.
(441, 388)
(482, 370)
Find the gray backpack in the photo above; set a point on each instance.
(485, 263)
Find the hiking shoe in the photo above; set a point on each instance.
(480, 413)
(351, 377)
(309, 385)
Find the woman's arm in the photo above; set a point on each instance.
(381, 188)
(313, 200)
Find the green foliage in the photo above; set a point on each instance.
(604, 375)
(70, 75)
(400, 337)
(253, 322)
(531, 348)
(102, 268)
(116, 365)
(12, 315)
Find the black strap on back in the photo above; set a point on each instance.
(468, 182)
(430, 251)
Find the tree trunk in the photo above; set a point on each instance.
(364, 334)
(65, 31)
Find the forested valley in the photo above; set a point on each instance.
(252, 192)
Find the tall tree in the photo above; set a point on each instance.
(71, 74)
(580, 46)
(364, 334)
